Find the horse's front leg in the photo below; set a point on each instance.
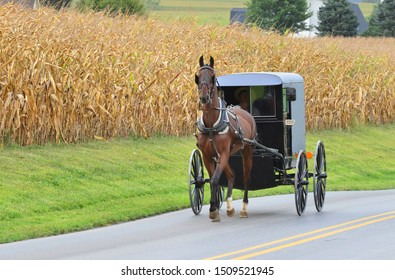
(214, 182)
(211, 168)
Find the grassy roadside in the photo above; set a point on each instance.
(359, 159)
(53, 189)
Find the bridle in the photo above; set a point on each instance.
(205, 82)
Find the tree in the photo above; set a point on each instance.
(337, 18)
(374, 28)
(281, 15)
(382, 22)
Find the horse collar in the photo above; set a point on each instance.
(221, 126)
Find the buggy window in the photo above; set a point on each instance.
(242, 98)
(237, 96)
(263, 101)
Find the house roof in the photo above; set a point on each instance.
(26, 3)
(237, 15)
(363, 25)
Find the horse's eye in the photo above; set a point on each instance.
(197, 79)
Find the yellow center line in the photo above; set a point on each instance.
(306, 234)
(311, 238)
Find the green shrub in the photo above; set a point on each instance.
(114, 6)
(57, 4)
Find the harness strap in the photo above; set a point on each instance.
(238, 130)
(220, 126)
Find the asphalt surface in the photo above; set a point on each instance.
(352, 226)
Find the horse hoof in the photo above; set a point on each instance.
(216, 219)
(213, 215)
(243, 214)
(231, 212)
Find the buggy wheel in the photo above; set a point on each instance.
(301, 182)
(196, 182)
(319, 176)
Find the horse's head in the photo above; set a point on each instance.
(206, 81)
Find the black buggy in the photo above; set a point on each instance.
(276, 101)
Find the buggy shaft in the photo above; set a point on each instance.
(255, 143)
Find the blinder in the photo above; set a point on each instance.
(205, 81)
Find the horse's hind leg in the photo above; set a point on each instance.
(230, 210)
(247, 166)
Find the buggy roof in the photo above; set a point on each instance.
(259, 79)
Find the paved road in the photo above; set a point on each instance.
(353, 225)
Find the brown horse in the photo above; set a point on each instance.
(221, 133)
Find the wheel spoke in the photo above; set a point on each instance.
(302, 204)
(319, 160)
(197, 200)
(193, 167)
(322, 190)
(322, 198)
(305, 175)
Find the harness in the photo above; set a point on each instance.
(221, 126)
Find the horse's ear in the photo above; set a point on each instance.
(197, 79)
(201, 62)
(211, 62)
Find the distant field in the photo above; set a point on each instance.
(214, 11)
(367, 9)
(205, 11)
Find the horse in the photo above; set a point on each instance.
(221, 133)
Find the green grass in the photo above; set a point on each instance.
(359, 159)
(367, 9)
(214, 11)
(53, 189)
(205, 11)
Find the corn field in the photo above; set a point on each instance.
(68, 76)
